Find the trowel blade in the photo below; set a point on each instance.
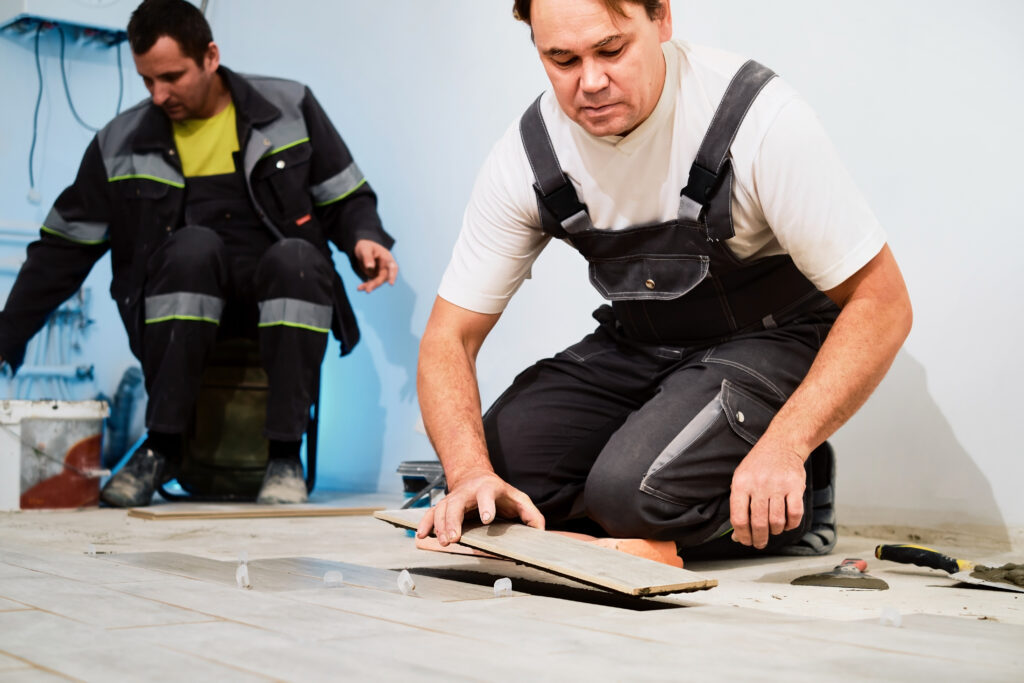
(842, 577)
(965, 577)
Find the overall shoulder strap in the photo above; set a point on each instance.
(711, 170)
(561, 211)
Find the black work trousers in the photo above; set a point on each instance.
(198, 291)
(643, 439)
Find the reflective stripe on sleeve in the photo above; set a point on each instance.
(82, 232)
(183, 306)
(296, 313)
(338, 186)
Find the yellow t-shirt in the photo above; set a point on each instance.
(205, 146)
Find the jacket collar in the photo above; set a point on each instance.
(252, 109)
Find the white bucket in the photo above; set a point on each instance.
(50, 453)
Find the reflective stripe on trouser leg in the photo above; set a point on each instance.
(292, 347)
(183, 306)
(296, 313)
(293, 284)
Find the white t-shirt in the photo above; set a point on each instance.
(791, 193)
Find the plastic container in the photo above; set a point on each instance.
(50, 454)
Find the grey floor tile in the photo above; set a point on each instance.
(89, 652)
(321, 614)
(92, 603)
(33, 675)
(8, 663)
(9, 605)
(77, 565)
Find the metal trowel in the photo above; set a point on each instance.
(849, 574)
(964, 571)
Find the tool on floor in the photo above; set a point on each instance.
(960, 570)
(850, 573)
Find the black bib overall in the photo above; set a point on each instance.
(224, 275)
(639, 426)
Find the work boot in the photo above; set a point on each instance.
(134, 484)
(821, 537)
(283, 482)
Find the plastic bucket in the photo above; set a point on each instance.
(50, 453)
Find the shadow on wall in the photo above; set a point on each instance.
(901, 465)
(354, 389)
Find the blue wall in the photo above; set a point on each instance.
(93, 83)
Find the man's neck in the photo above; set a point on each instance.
(218, 98)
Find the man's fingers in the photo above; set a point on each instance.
(739, 514)
(486, 507)
(392, 271)
(426, 524)
(527, 511)
(440, 530)
(777, 518)
(794, 510)
(453, 515)
(759, 521)
(379, 276)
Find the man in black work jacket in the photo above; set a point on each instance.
(216, 199)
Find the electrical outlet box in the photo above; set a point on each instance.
(107, 16)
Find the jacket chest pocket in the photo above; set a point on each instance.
(281, 182)
(648, 277)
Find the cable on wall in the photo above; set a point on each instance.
(35, 120)
(67, 90)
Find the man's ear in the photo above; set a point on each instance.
(211, 61)
(664, 20)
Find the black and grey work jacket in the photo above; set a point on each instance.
(129, 194)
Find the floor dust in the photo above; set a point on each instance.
(1008, 573)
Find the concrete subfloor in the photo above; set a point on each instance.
(159, 601)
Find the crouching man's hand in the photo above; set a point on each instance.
(767, 494)
(484, 491)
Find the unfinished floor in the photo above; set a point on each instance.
(159, 601)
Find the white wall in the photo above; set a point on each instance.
(922, 97)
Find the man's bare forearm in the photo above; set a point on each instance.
(872, 326)
(448, 392)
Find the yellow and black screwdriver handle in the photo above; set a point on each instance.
(922, 557)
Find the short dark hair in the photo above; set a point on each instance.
(177, 19)
(654, 8)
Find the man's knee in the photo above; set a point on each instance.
(190, 259)
(293, 256)
(294, 268)
(189, 247)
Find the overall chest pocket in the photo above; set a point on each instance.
(660, 277)
(142, 189)
(281, 181)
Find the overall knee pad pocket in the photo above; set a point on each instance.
(697, 464)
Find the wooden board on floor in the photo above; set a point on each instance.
(568, 557)
(245, 511)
